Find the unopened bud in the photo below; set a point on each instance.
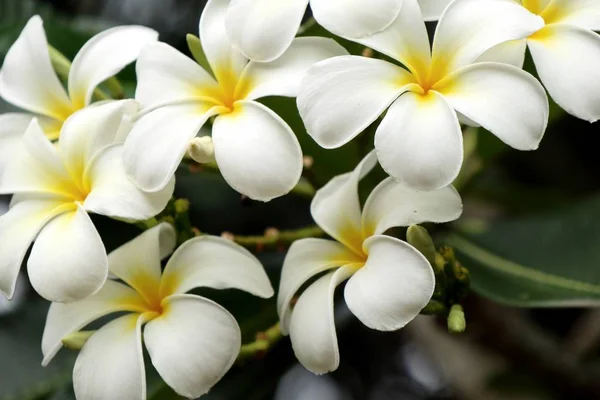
(419, 238)
(182, 206)
(456, 319)
(76, 340)
(201, 149)
(228, 236)
(308, 162)
(434, 307)
(368, 52)
(271, 232)
(197, 51)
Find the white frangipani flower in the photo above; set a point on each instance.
(566, 53)
(28, 81)
(264, 29)
(192, 341)
(419, 141)
(54, 188)
(390, 280)
(256, 151)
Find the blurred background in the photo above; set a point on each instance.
(530, 237)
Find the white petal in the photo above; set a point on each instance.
(166, 76)
(283, 76)
(12, 129)
(36, 167)
(512, 53)
(137, 262)
(104, 56)
(18, 228)
(535, 6)
(193, 344)
(68, 261)
(573, 82)
(505, 100)
(392, 204)
(113, 194)
(305, 259)
(158, 141)
(111, 364)
(312, 325)
(223, 58)
(214, 262)
(263, 29)
(27, 78)
(256, 151)
(582, 13)
(66, 318)
(469, 28)
(432, 9)
(91, 130)
(405, 40)
(393, 286)
(419, 141)
(336, 206)
(355, 18)
(342, 96)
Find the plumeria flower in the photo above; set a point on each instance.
(390, 281)
(264, 29)
(419, 141)
(192, 341)
(28, 81)
(54, 189)
(557, 49)
(256, 151)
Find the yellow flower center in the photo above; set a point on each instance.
(230, 88)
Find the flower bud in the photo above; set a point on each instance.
(76, 340)
(419, 238)
(456, 319)
(202, 150)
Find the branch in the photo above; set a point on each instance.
(274, 237)
(264, 341)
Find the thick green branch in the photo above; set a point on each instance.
(273, 237)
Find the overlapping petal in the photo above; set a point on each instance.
(511, 52)
(419, 141)
(104, 56)
(283, 76)
(27, 78)
(68, 260)
(572, 82)
(307, 258)
(342, 96)
(582, 13)
(264, 29)
(393, 287)
(432, 9)
(503, 99)
(12, 128)
(193, 344)
(257, 152)
(393, 204)
(312, 324)
(111, 363)
(214, 262)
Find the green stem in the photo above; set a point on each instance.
(264, 341)
(277, 238)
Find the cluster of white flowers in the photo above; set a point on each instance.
(71, 156)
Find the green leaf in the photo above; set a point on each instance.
(545, 260)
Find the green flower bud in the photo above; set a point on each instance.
(76, 340)
(197, 51)
(456, 319)
(419, 238)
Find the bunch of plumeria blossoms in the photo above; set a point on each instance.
(81, 151)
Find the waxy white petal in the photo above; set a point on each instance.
(283, 76)
(137, 262)
(512, 53)
(432, 9)
(27, 78)
(193, 344)
(103, 56)
(582, 13)
(306, 258)
(217, 263)
(419, 141)
(393, 286)
(18, 227)
(573, 82)
(113, 194)
(12, 129)
(158, 141)
(66, 318)
(258, 154)
(166, 76)
(393, 204)
(469, 28)
(336, 206)
(110, 365)
(312, 324)
(263, 29)
(342, 96)
(505, 100)
(68, 261)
